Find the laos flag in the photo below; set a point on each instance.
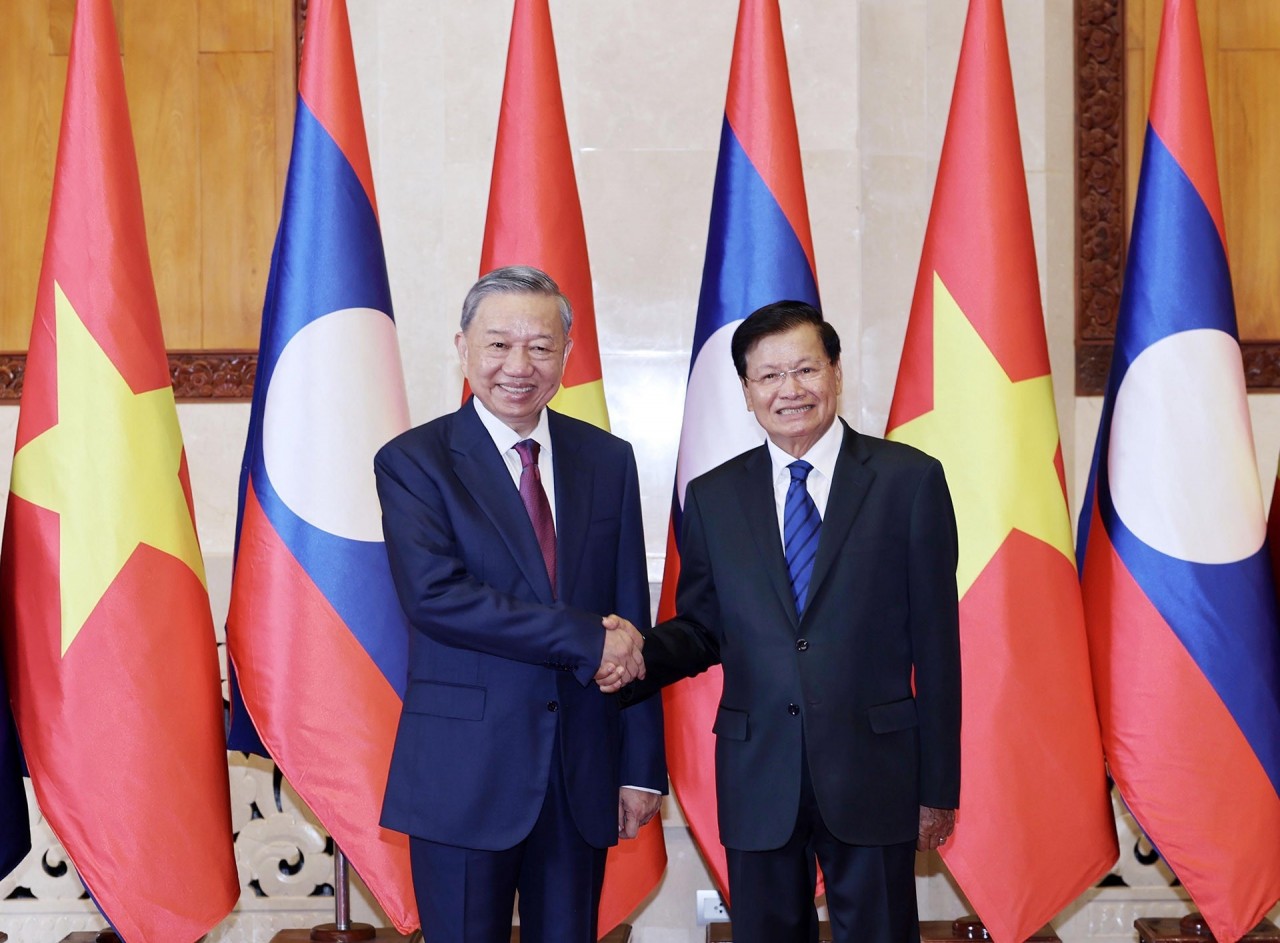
(758, 251)
(315, 632)
(1181, 613)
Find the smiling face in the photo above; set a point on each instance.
(794, 413)
(513, 354)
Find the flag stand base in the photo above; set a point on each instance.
(931, 931)
(1193, 929)
(329, 933)
(970, 927)
(351, 933)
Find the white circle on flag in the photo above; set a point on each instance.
(336, 397)
(1180, 456)
(717, 425)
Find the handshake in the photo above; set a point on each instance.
(621, 662)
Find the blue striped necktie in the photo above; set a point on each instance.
(800, 524)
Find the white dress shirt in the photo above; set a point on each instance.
(505, 439)
(822, 456)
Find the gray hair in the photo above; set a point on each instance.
(516, 280)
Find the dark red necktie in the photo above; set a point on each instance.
(536, 504)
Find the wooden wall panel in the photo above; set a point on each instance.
(1249, 25)
(236, 26)
(211, 87)
(164, 101)
(29, 78)
(1249, 134)
(237, 183)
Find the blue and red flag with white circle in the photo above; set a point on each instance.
(759, 251)
(1183, 628)
(316, 635)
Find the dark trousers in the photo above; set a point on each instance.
(466, 895)
(871, 889)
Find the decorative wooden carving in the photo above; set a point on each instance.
(1100, 223)
(213, 374)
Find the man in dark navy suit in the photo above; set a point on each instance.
(513, 531)
(820, 571)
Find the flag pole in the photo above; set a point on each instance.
(342, 930)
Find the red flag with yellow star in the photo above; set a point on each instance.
(1035, 826)
(107, 632)
(535, 218)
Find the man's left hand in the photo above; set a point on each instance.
(936, 826)
(635, 808)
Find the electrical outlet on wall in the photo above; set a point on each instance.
(711, 908)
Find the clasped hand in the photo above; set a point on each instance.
(621, 662)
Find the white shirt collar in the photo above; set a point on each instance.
(504, 437)
(822, 455)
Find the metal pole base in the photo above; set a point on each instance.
(354, 933)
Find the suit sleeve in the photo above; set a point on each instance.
(643, 751)
(935, 639)
(443, 600)
(687, 644)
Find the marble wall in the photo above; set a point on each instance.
(644, 87)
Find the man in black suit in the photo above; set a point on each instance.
(819, 570)
(512, 531)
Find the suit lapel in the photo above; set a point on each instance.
(484, 474)
(849, 487)
(574, 483)
(755, 490)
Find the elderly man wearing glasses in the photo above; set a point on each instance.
(820, 571)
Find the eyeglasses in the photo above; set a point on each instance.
(805, 376)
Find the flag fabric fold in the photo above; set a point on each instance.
(315, 631)
(15, 822)
(1035, 826)
(1179, 599)
(535, 218)
(759, 250)
(1273, 529)
(104, 608)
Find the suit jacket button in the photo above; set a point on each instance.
(553, 706)
(802, 644)
(793, 709)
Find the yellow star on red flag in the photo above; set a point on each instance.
(109, 469)
(997, 440)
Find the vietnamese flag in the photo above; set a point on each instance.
(107, 633)
(1035, 826)
(535, 219)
